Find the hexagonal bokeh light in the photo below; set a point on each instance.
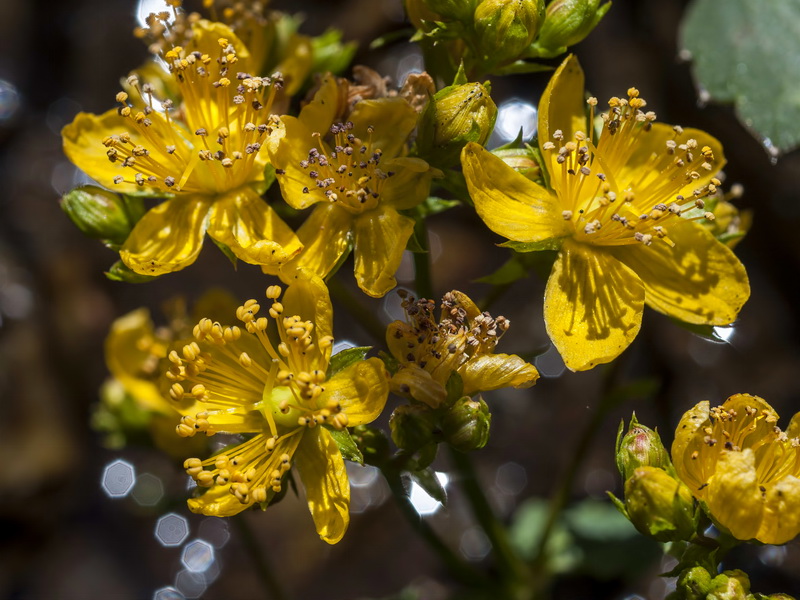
(172, 529)
(118, 479)
(197, 556)
(168, 593)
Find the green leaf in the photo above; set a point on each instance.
(708, 332)
(521, 67)
(427, 480)
(392, 364)
(512, 270)
(227, 252)
(120, 272)
(525, 534)
(750, 60)
(390, 38)
(347, 445)
(345, 358)
(330, 54)
(461, 75)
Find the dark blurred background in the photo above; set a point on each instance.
(64, 536)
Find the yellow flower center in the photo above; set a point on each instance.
(211, 143)
(776, 455)
(247, 384)
(348, 170)
(609, 203)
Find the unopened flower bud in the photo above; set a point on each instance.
(521, 160)
(421, 15)
(505, 28)
(567, 22)
(412, 426)
(101, 214)
(693, 584)
(658, 505)
(372, 443)
(640, 447)
(465, 426)
(455, 115)
(729, 585)
(452, 10)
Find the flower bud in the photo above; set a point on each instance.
(729, 585)
(521, 160)
(466, 425)
(640, 447)
(567, 22)
(693, 584)
(419, 13)
(455, 115)
(412, 426)
(505, 28)
(372, 443)
(452, 10)
(101, 214)
(658, 505)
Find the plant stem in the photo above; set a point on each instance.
(508, 561)
(457, 567)
(273, 589)
(560, 498)
(494, 294)
(366, 318)
(422, 264)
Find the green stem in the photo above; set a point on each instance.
(364, 316)
(273, 589)
(457, 567)
(494, 295)
(422, 264)
(508, 561)
(560, 498)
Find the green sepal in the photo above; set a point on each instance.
(548, 244)
(618, 504)
(521, 67)
(461, 75)
(454, 387)
(345, 358)
(227, 252)
(707, 332)
(119, 271)
(347, 445)
(427, 480)
(391, 363)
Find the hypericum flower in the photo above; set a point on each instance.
(275, 384)
(737, 460)
(615, 214)
(462, 341)
(347, 161)
(207, 154)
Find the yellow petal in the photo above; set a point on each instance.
(411, 380)
(592, 306)
(410, 183)
(125, 359)
(168, 237)
(749, 431)
(562, 105)
(380, 238)
(361, 389)
(793, 430)
(307, 297)
(699, 280)
(327, 107)
(253, 231)
(733, 496)
(205, 39)
(291, 145)
(693, 472)
(652, 144)
(510, 204)
(392, 120)
(495, 371)
(324, 477)
(217, 502)
(781, 521)
(325, 236)
(83, 145)
(297, 63)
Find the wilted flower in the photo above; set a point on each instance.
(275, 385)
(614, 214)
(737, 460)
(462, 341)
(205, 155)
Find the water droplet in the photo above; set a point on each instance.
(197, 556)
(172, 529)
(118, 479)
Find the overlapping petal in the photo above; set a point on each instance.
(592, 306)
(361, 389)
(698, 280)
(380, 237)
(563, 105)
(494, 371)
(168, 237)
(324, 477)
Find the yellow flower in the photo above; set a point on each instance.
(274, 384)
(347, 162)
(207, 155)
(614, 214)
(462, 341)
(736, 459)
